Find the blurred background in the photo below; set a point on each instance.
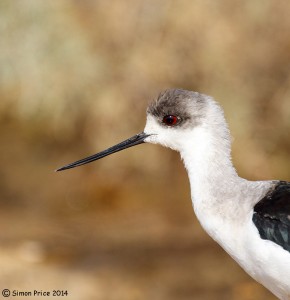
(75, 78)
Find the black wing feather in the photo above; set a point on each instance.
(272, 215)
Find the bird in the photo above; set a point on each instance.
(250, 220)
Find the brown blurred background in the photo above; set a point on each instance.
(75, 78)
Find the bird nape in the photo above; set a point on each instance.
(249, 219)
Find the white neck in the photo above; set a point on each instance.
(213, 179)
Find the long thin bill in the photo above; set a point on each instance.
(132, 141)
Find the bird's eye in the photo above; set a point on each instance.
(170, 120)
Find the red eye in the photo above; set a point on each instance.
(170, 120)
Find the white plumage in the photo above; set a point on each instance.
(256, 236)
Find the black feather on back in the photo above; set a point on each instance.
(272, 215)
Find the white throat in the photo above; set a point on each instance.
(206, 152)
(215, 184)
(208, 162)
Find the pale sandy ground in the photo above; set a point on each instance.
(102, 239)
(123, 258)
(76, 76)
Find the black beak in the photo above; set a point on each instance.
(132, 141)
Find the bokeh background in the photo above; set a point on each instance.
(75, 78)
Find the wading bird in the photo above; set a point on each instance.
(249, 219)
